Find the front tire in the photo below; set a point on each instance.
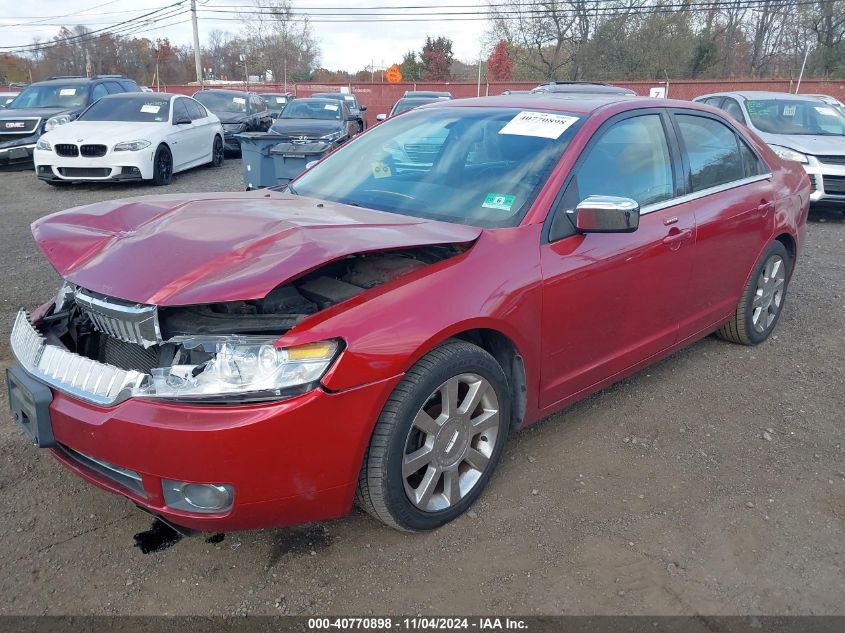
(762, 300)
(162, 166)
(438, 439)
(217, 152)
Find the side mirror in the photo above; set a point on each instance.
(607, 214)
(381, 117)
(362, 108)
(182, 121)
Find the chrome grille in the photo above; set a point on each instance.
(127, 322)
(79, 376)
(19, 126)
(423, 153)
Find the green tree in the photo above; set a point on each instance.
(410, 67)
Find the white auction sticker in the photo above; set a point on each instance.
(789, 110)
(150, 109)
(331, 107)
(540, 124)
(281, 100)
(67, 92)
(240, 100)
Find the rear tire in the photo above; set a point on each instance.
(162, 166)
(762, 300)
(438, 439)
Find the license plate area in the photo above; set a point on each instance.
(29, 402)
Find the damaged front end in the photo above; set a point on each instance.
(104, 350)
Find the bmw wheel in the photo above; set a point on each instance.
(217, 152)
(162, 166)
(438, 439)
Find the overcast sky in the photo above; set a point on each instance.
(347, 46)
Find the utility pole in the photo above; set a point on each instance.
(196, 42)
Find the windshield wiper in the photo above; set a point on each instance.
(292, 190)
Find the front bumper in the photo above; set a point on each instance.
(114, 166)
(231, 142)
(828, 181)
(17, 154)
(289, 461)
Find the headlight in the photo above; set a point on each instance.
(234, 127)
(131, 146)
(241, 367)
(56, 121)
(43, 145)
(333, 136)
(789, 154)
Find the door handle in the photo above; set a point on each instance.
(765, 207)
(675, 240)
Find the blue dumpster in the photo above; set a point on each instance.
(256, 161)
(290, 159)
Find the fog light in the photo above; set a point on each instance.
(182, 495)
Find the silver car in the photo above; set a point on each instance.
(801, 128)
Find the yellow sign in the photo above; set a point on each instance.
(393, 74)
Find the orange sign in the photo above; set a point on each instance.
(393, 74)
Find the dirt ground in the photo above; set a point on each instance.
(659, 495)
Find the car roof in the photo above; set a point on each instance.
(332, 95)
(760, 94)
(143, 95)
(576, 103)
(224, 91)
(321, 99)
(583, 87)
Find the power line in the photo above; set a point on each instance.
(121, 28)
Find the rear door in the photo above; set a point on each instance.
(611, 301)
(201, 138)
(731, 194)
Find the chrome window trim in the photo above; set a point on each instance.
(690, 197)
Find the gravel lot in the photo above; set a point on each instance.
(659, 495)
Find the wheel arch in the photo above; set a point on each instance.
(791, 247)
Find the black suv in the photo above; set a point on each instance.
(48, 104)
(238, 111)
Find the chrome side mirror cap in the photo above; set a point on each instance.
(607, 214)
(381, 117)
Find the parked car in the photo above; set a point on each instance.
(427, 94)
(798, 128)
(241, 360)
(581, 87)
(46, 105)
(276, 101)
(831, 101)
(6, 98)
(322, 120)
(138, 136)
(406, 103)
(238, 111)
(355, 109)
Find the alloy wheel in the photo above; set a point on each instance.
(164, 166)
(768, 296)
(450, 443)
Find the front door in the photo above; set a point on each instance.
(613, 300)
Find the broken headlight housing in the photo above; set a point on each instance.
(239, 368)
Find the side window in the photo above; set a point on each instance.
(713, 151)
(114, 88)
(731, 106)
(630, 160)
(751, 164)
(712, 101)
(203, 111)
(180, 111)
(193, 109)
(98, 92)
(258, 104)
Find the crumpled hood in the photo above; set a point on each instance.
(312, 128)
(814, 145)
(207, 248)
(28, 113)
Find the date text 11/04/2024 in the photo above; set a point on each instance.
(416, 624)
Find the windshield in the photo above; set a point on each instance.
(274, 100)
(788, 116)
(312, 110)
(404, 105)
(478, 166)
(143, 109)
(338, 96)
(223, 102)
(52, 96)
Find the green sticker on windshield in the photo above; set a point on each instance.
(498, 201)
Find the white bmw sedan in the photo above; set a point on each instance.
(131, 136)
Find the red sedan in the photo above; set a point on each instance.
(378, 329)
